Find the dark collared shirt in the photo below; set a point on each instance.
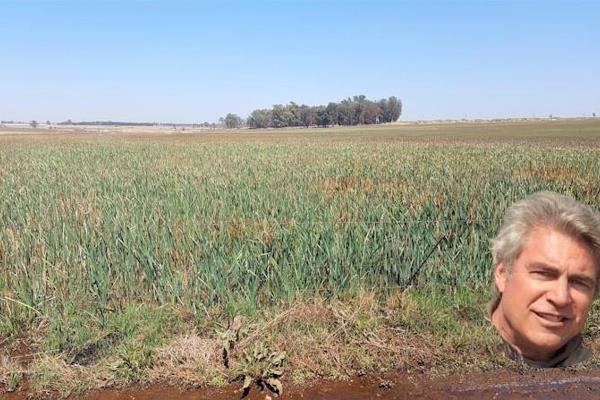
(570, 354)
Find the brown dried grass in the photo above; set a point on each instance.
(188, 359)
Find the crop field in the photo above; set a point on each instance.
(126, 257)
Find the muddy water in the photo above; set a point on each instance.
(552, 385)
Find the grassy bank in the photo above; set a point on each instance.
(351, 251)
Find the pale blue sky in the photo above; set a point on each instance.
(193, 61)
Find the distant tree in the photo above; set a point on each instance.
(33, 124)
(260, 119)
(322, 116)
(232, 121)
(394, 108)
(308, 116)
(350, 111)
(358, 105)
(293, 114)
(48, 122)
(369, 113)
(594, 114)
(384, 112)
(346, 112)
(278, 116)
(332, 113)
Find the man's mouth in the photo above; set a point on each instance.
(552, 318)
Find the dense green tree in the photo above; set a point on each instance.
(394, 108)
(279, 118)
(322, 116)
(308, 115)
(232, 121)
(370, 113)
(350, 111)
(332, 113)
(384, 113)
(293, 114)
(260, 119)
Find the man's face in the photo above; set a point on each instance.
(546, 295)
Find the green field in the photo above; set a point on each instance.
(115, 249)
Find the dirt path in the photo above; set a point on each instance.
(552, 385)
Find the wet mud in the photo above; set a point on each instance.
(552, 385)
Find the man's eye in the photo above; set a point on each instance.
(582, 284)
(542, 274)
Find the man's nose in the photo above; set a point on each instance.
(560, 294)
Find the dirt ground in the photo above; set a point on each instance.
(551, 385)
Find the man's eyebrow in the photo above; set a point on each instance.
(543, 266)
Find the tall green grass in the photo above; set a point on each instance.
(96, 227)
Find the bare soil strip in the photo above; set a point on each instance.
(554, 385)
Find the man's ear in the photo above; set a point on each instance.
(500, 276)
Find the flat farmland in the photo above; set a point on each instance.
(181, 256)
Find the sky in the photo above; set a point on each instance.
(195, 61)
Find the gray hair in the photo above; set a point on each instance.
(543, 209)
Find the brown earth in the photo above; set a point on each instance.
(572, 133)
(551, 384)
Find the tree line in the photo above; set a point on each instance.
(357, 110)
